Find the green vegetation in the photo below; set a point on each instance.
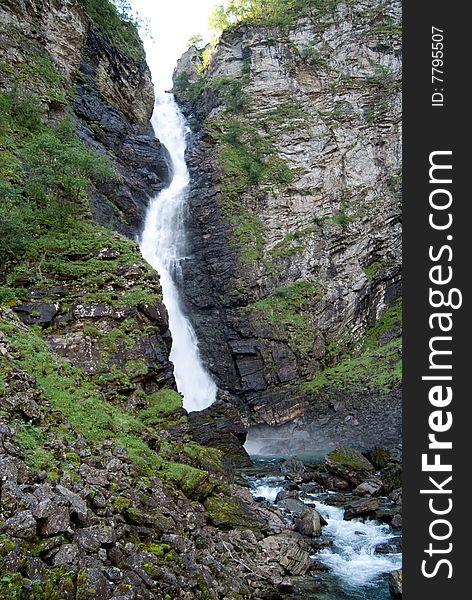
(290, 307)
(39, 72)
(40, 201)
(117, 25)
(381, 366)
(389, 321)
(227, 513)
(246, 157)
(267, 12)
(350, 458)
(232, 93)
(73, 396)
(373, 268)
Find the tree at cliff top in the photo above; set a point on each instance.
(264, 12)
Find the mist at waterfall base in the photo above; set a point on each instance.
(163, 244)
(355, 570)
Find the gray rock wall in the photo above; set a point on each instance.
(299, 270)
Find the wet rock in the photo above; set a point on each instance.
(294, 505)
(393, 546)
(361, 508)
(284, 494)
(397, 522)
(395, 584)
(21, 525)
(309, 523)
(349, 464)
(370, 487)
(387, 512)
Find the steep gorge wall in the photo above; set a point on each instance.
(103, 491)
(294, 285)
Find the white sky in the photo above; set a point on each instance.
(171, 23)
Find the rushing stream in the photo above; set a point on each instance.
(163, 245)
(356, 571)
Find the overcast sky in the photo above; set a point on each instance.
(172, 22)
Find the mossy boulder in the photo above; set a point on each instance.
(349, 464)
(392, 477)
(196, 484)
(228, 513)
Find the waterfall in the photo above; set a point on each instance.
(163, 244)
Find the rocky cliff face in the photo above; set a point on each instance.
(103, 491)
(56, 50)
(295, 220)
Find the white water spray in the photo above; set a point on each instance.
(163, 245)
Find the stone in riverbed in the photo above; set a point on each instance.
(349, 464)
(309, 523)
(370, 487)
(361, 508)
(395, 581)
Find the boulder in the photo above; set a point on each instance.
(52, 518)
(68, 554)
(393, 546)
(309, 523)
(395, 581)
(293, 468)
(370, 487)
(361, 508)
(349, 464)
(220, 426)
(294, 505)
(22, 525)
(14, 500)
(290, 550)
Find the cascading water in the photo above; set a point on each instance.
(357, 570)
(163, 244)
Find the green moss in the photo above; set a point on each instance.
(389, 321)
(162, 403)
(380, 367)
(227, 513)
(350, 458)
(290, 307)
(194, 483)
(209, 459)
(373, 268)
(159, 550)
(6, 545)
